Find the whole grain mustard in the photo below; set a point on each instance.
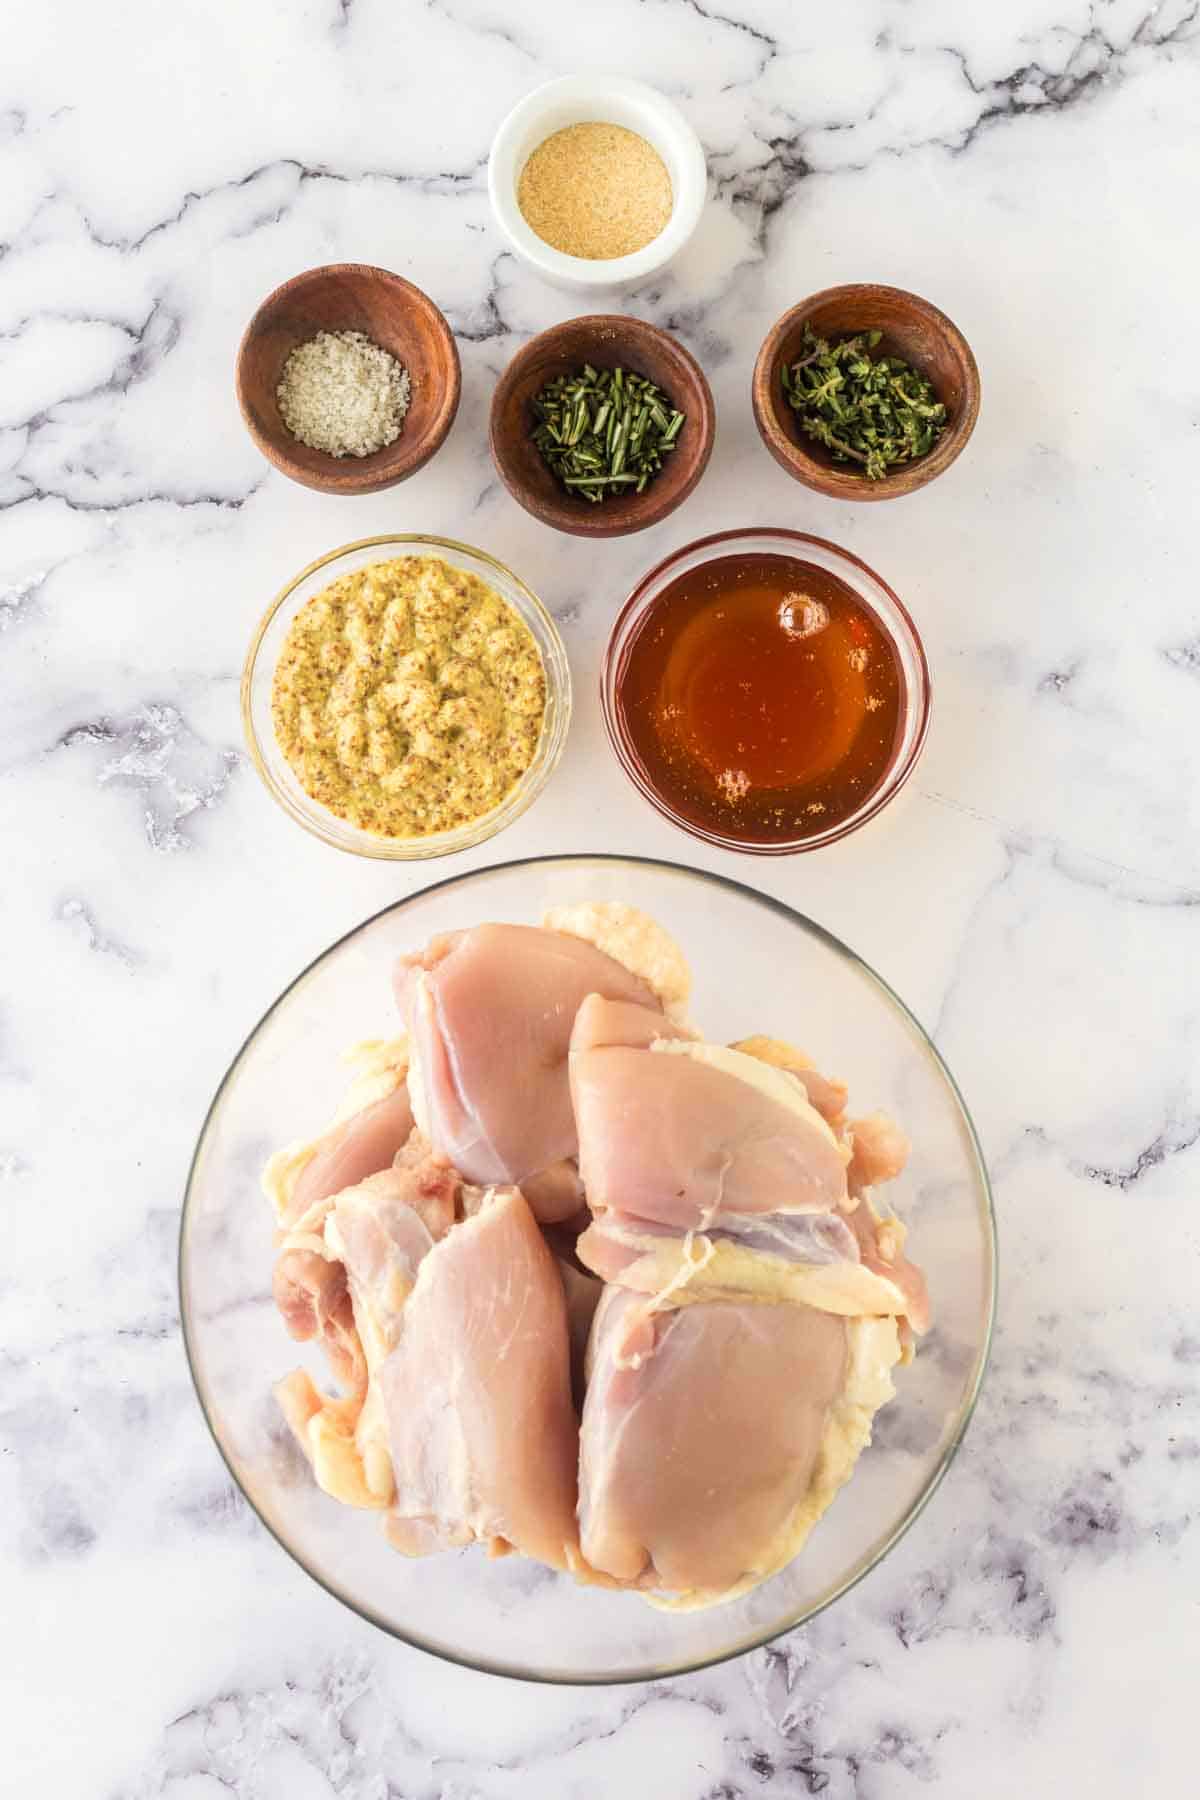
(408, 697)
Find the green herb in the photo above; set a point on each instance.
(875, 412)
(605, 431)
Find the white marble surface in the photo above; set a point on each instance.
(1035, 894)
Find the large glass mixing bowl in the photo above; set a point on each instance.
(758, 967)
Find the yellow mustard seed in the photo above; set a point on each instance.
(408, 697)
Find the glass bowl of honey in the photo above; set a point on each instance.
(766, 691)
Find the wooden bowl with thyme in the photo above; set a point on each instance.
(602, 426)
(865, 392)
(394, 318)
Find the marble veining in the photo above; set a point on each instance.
(1034, 894)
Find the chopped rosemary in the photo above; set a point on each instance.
(877, 412)
(604, 431)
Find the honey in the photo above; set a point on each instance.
(761, 697)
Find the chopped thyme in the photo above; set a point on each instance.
(874, 412)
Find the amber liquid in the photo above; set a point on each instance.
(761, 698)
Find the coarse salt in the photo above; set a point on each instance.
(343, 394)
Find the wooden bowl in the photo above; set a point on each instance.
(398, 317)
(607, 341)
(912, 329)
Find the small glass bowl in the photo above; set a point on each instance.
(259, 670)
(873, 593)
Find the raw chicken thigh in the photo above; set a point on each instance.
(459, 1417)
(360, 1147)
(714, 1436)
(732, 1212)
(489, 1013)
(710, 1170)
(592, 1289)
(344, 1276)
(878, 1153)
(478, 1395)
(372, 1125)
(681, 1132)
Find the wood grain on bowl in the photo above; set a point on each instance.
(394, 314)
(607, 341)
(912, 329)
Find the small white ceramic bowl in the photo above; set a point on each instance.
(577, 100)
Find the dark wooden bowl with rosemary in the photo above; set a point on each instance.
(595, 452)
(864, 418)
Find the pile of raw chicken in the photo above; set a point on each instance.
(591, 1288)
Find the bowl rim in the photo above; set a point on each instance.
(573, 517)
(896, 775)
(581, 273)
(348, 476)
(840, 484)
(986, 1209)
(518, 799)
